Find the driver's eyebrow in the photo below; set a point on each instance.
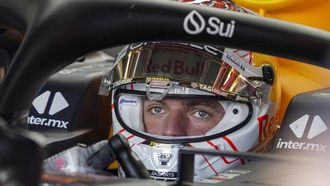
(202, 102)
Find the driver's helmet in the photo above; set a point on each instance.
(169, 95)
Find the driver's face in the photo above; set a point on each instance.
(181, 117)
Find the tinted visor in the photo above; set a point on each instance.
(209, 71)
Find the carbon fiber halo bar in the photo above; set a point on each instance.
(58, 31)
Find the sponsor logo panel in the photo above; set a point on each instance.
(164, 175)
(57, 104)
(194, 23)
(299, 129)
(128, 100)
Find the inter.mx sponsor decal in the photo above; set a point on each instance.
(194, 23)
(57, 104)
(298, 128)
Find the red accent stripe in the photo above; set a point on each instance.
(206, 159)
(235, 50)
(223, 158)
(250, 62)
(112, 106)
(141, 142)
(245, 55)
(228, 162)
(129, 137)
(212, 144)
(260, 132)
(120, 131)
(209, 164)
(232, 145)
(132, 87)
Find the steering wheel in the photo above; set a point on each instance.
(58, 31)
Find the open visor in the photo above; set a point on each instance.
(203, 67)
(179, 117)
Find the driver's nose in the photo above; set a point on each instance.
(176, 124)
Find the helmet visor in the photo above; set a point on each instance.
(213, 71)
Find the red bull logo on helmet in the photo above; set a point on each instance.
(176, 67)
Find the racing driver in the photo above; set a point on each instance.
(168, 95)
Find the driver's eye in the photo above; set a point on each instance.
(201, 114)
(157, 110)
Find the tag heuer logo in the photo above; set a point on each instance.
(298, 127)
(58, 103)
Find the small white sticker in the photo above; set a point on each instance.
(128, 100)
